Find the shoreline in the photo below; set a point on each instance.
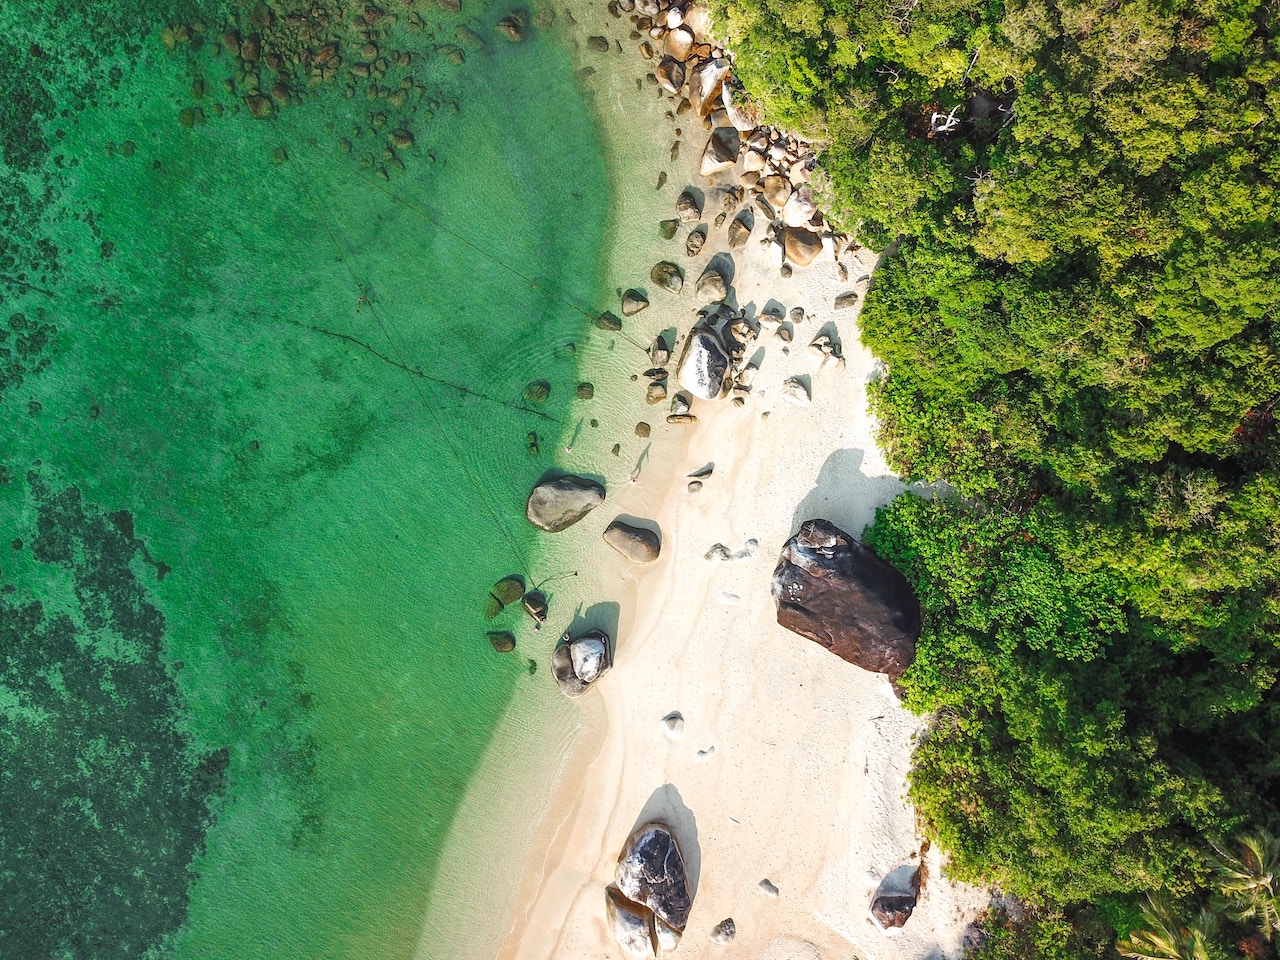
(700, 635)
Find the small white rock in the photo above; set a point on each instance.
(768, 888)
(673, 725)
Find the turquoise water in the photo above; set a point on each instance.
(243, 663)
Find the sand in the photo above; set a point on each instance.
(792, 764)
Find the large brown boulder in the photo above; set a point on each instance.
(837, 592)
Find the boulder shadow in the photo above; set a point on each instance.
(555, 473)
(598, 616)
(665, 805)
(845, 495)
(644, 523)
(831, 330)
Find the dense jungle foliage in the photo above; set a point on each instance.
(1078, 320)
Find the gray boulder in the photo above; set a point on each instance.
(830, 588)
(637, 544)
(705, 83)
(578, 663)
(555, 505)
(651, 872)
(704, 366)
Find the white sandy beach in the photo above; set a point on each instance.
(792, 765)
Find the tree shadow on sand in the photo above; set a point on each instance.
(846, 496)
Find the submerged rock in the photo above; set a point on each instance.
(511, 27)
(555, 505)
(830, 588)
(537, 391)
(609, 321)
(504, 641)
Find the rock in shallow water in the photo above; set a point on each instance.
(830, 588)
(637, 544)
(504, 641)
(555, 505)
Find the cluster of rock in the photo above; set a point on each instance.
(835, 591)
(775, 166)
(649, 901)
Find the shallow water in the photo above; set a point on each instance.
(233, 341)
